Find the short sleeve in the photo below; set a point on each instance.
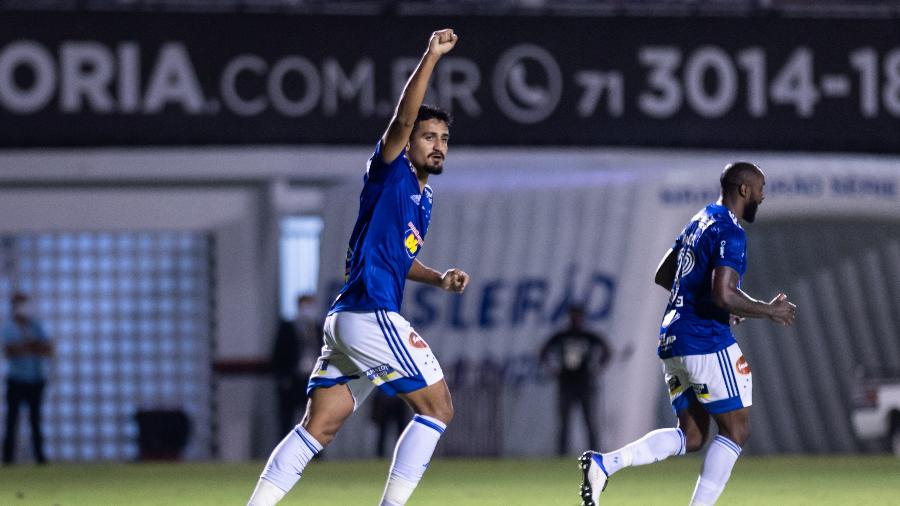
(731, 246)
(378, 170)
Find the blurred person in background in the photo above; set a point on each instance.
(575, 356)
(367, 343)
(28, 350)
(294, 354)
(705, 371)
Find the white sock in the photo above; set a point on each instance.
(265, 494)
(411, 458)
(720, 459)
(285, 466)
(653, 447)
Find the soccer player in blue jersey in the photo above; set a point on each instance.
(704, 369)
(367, 342)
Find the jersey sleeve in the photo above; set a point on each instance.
(731, 246)
(379, 170)
(678, 241)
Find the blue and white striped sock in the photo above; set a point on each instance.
(285, 466)
(717, 466)
(657, 445)
(411, 458)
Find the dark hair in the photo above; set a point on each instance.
(736, 174)
(427, 112)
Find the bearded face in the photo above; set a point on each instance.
(428, 146)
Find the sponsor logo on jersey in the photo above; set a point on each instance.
(686, 262)
(722, 249)
(702, 391)
(412, 240)
(666, 341)
(742, 366)
(416, 341)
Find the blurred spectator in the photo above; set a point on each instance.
(575, 356)
(28, 349)
(293, 357)
(388, 412)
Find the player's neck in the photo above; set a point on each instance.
(422, 176)
(734, 205)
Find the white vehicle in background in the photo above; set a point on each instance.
(876, 412)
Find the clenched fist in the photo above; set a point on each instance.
(442, 41)
(454, 280)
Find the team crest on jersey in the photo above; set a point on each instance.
(415, 197)
(742, 366)
(416, 341)
(412, 240)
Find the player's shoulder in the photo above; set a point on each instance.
(724, 220)
(377, 165)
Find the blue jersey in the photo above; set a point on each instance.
(389, 232)
(29, 368)
(693, 324)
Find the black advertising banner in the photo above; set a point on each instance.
(90, 79)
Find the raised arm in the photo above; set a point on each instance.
(397, 134)
(452, 280)
(727, 296)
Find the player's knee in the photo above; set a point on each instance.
(694, 440)
(739, 434)
(323, 433)
(443, 412)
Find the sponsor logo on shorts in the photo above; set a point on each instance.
(412, 240)
(379, 371)
(674, 384)
(702, 391)
(416, 341)
(742, 366)
(322, 367)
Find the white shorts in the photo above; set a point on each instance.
(369, 349)
(720, 381)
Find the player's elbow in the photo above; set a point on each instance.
(722, 299)
(662, 282)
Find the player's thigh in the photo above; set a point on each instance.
(735, 425)
(433, 400)
(388, 351)
(694, 423)
(334, 367)
(693, 420)
(326, 411)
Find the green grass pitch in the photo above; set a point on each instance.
(782, 481)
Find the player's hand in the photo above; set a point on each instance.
(454, 280)
(735, 320)
(783, 312)
(442, 41)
